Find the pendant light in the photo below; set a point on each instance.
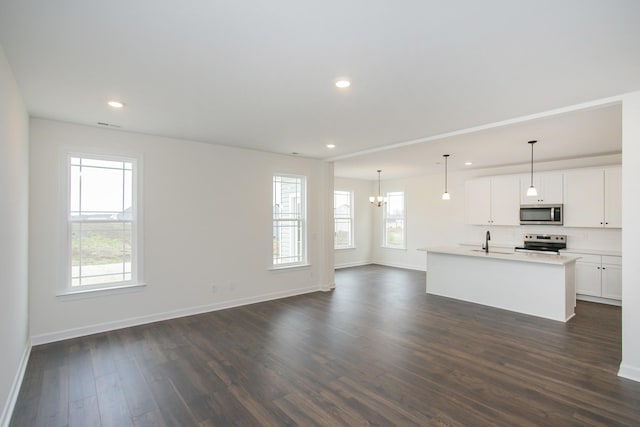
(445, 195)
(532, 190)
(377, 200)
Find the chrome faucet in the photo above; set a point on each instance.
(486, 242)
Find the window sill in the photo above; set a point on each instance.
(96, 292)
(393, 248)
(350, 248)
(288, 267)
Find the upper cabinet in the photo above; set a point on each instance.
(593, 198)
(493, 200)
(613, 197)
(477, 193)
(548, 185)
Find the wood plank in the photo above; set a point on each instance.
(112, 403)
(134, 388)
(53, 407)
(84, 413)
(375, 351)
(82, 382)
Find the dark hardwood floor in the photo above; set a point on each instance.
(375, 351)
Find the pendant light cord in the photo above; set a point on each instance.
(531, 164)
(532, 142)
(445, 173)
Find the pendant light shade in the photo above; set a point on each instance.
(532, 190)
(445, 195)
(377, 200)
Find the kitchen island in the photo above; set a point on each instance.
(530, 283)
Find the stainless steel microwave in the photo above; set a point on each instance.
(541, 214)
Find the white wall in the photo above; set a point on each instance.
(207, 230)
(630, 366)
(14, 197)
(361, 254)
(431, 221)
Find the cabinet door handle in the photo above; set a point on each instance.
(604, 268)
(598, 268)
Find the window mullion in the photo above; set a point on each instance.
(101, 237)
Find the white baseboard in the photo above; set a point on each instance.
(598, 300)
(405, 266)
(135, 321)
(7, 411)
(351, 264)
(328, 287)
(629, 372)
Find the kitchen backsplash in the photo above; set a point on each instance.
(577, 238)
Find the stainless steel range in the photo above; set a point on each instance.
(543, 243)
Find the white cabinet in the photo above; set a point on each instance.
(593, 198)
(598, 275)
(549, 187)
(478, 201)
(613, 197)
(492, 200)
(612, 277)
(588, 274)
(505, 208)
(584, 196)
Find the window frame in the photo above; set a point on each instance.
(349, 217)
(387, 216)
(135, 222)
(302, 222)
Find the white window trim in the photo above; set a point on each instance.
(352, 243)
(137, 265)
(404, 222)
(277, 267)
(304, 261)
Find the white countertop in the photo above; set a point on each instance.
(500, 245)
(504, 255)
(591, 252)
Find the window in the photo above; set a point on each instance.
(289, 221)
(102, 221)
(394, 221)
(343, 219)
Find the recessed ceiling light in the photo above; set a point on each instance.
(115, 104)
(331, 145)
(468, 163)
(342, 84)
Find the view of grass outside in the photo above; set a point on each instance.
(394, 220)
(342, 239)
(288, 219)
(100, 252)
(395, 236)
(343, 219)
(101, 217)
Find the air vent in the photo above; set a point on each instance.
(111, 125)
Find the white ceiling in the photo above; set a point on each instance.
(588, 132)
(260, 74)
